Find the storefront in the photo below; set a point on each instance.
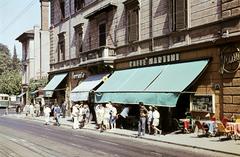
(55, 90)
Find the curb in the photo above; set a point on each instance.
(145, 138)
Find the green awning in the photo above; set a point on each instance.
(156, 85)
(52, 85)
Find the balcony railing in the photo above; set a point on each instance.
(101, 54)
(104, 54)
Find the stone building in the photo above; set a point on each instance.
(35, 52)
(88, 37)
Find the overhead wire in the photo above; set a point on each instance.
(18, 16)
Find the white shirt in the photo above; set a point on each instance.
(47, 110)
(150, 115)
(124, 112)
(75, 111)
(114, 111)
(156, 114)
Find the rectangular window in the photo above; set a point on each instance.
(179, 14)
(62, 7)
(78, 39)
(79, 4)
(202, 103)
(61, 47)
(102, 34)
(133, 25)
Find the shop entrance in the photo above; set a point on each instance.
(183, 105)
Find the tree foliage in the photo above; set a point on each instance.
(10, 77)
(36, 84)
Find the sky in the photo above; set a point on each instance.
(16, 17)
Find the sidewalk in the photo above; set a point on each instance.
(230, 147)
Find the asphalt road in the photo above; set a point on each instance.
(21, 138)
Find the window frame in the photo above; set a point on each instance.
(62, 8)
(78, 5)
(130, 28)
(61, 47)
(175, 16)
(102, 42)
(78, 39)
(193, 106)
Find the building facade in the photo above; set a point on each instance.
(35, 53)
(138, 33)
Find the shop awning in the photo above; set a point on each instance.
(81, 92)
(20, 95)
(156, 85)
(53, 83)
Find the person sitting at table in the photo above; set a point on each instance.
(211, 124)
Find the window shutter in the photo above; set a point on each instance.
(133, 25)
(180, 14)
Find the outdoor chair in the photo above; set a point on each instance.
(199, 126)
(224, 121)
(223, 131)
(191, 126)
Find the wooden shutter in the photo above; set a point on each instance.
(133, 25)
(180, 14)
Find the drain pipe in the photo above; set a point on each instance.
(151, 25)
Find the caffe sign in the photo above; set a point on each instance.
(231, 61)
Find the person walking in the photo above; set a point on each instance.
(86, 114)
(57, 112)
(150, 119)
(113, 116)
(64, 108)
(31, 110)
(26, 109)
(142, 119)
(106, 118)
(155, 123)
(122, 117)
(47, 111)
(75, 115)
(100, 116)
(37, 108)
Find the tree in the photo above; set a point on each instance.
(5, 59)
(10, 82)
(15, 61)
(36, 84)
(10, 77)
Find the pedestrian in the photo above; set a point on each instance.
(86, 114)
(57, 112)
(106, 119)
(37, 108)
(75, 115)
(142, 119)
(113, 116)
(156, 120)
(31, 110)
(41, 108)
(26, 109)
(6, 110)
(47, 112)
(64, 108)
(122, 116)
(18, 109)
(97, 112)
(100, 117)
(150, 119)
